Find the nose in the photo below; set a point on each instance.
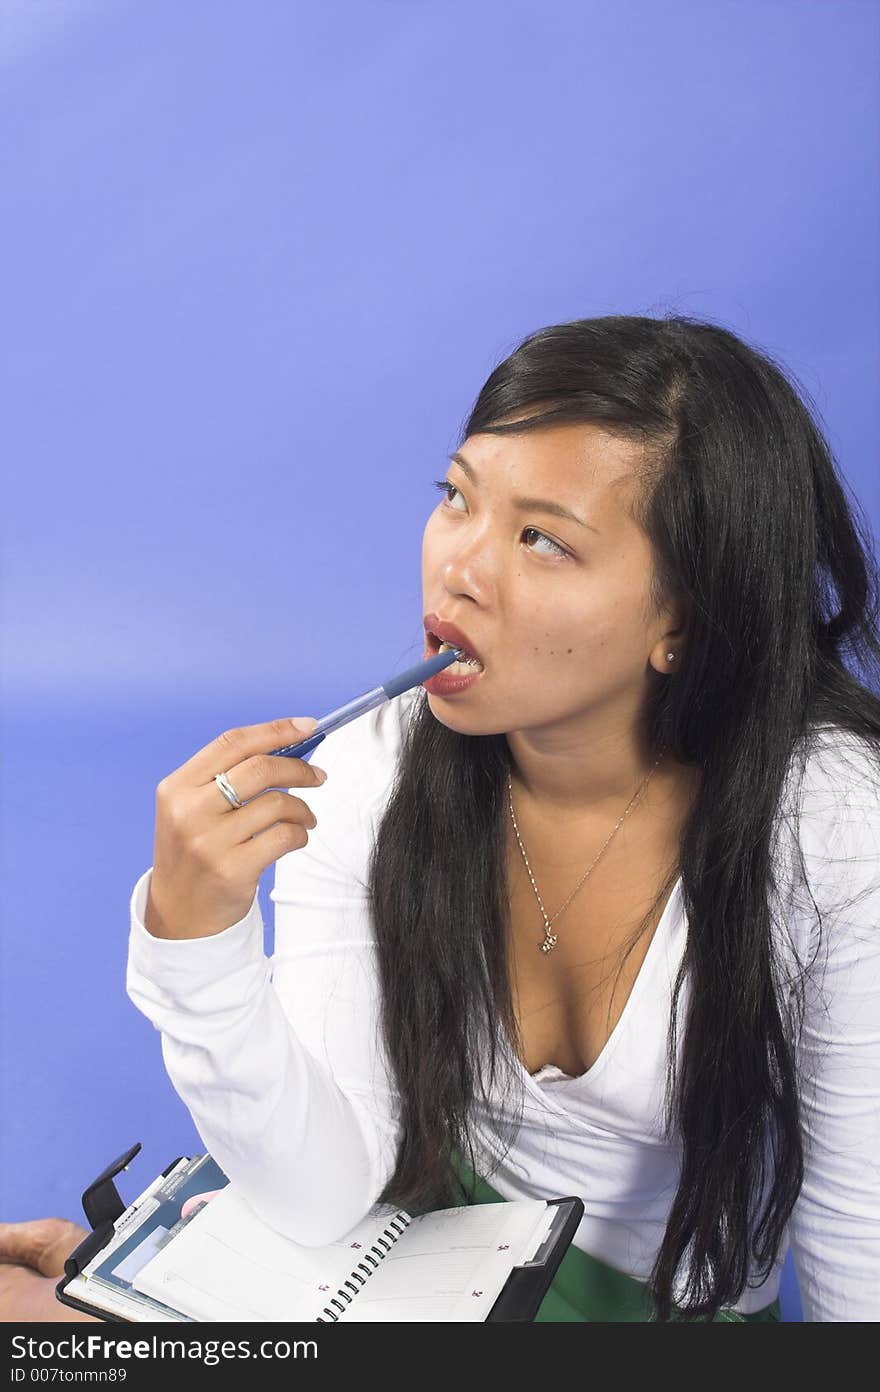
(466, 570)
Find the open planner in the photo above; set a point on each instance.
(190, 1248)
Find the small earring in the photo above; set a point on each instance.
(670, 657)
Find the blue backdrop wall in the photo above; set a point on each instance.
(258, 259)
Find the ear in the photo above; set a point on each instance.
(667, 653)
(679, 618)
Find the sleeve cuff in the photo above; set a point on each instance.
(196, 973)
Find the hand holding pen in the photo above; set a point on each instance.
(216, 832)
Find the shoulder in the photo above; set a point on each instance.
(839, 795)
(832, 815)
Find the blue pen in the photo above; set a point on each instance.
(394, 686)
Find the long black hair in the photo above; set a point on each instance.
(751, 525)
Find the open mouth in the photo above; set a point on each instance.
(465, 663)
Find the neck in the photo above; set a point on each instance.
(566, 771)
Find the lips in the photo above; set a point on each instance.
(440, 631)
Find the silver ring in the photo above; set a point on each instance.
(227, 790)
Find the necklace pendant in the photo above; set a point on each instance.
(549, 943)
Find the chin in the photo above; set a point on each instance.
(456, 720)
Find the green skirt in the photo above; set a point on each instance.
(586, 1290)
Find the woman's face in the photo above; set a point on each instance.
(558, 611)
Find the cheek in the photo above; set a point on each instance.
(557, 634)
(615, 624)
(598, 621)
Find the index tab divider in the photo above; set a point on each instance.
(103, 1207)
(529, 1282)
(550, 1238)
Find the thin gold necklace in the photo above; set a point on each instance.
(550, 938)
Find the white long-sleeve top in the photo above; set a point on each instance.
(281, 1065)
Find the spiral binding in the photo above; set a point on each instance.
(396, 1227)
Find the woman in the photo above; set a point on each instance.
(603, 918)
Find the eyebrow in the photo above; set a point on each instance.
(529, 504)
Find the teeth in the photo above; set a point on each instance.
(461, 669)
(461, 663)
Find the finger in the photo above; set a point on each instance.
(234, 746)
(248, 861)
(67, 1238)
(18, 1242)
(257, 817)
(27, 1298)
(258, 774)
(40, 1243)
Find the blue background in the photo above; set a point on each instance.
(258, 260)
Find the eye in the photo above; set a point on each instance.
(444, 484)
(557, 550)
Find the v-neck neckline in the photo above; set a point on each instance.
(549, 1072)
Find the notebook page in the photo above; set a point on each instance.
(452, 1265)
(227, 1264)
